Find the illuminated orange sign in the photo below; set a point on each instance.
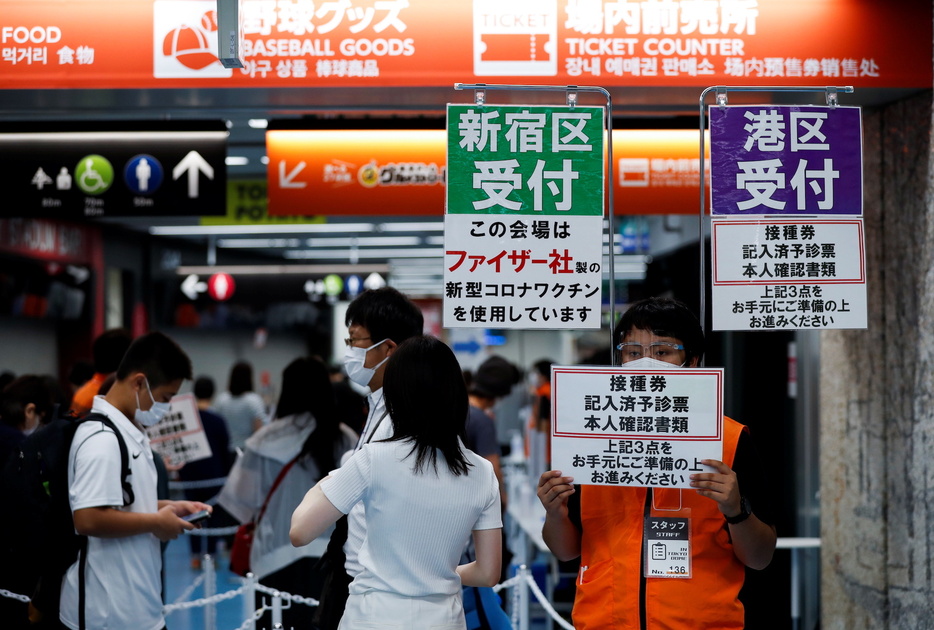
(402, 172)
(379, 43)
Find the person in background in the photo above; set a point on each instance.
(80, 373)
(308, 430)
(539, 429)
(6, 377)
(213, 467)
(24, 404)
(425, 495)
(492, 380)
(240, 406)
(604, 525)
(351, 404)
(108, 350)
(123, 562)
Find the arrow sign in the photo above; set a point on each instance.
(470, 347)
(191, 287)
(80, 274)
(285, 181)
(192, 164)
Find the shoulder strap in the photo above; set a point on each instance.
(128, 496)
(275, 484)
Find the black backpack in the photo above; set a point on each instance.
(40, 543)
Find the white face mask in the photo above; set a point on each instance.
(354, 358)
(154, 414)
(648, 363)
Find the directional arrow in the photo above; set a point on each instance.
(192, 164)
(285, 180)
(374, 281)
(80, 274)
(191, 287)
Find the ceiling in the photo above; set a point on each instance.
(404, 244)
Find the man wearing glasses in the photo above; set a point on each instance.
(605, 525)
(377, 321)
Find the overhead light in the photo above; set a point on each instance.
(258, 123)
(434, 240)
(248, 243)
(424, 226)
(264, 159)
(265, 270)
(296, 228)
(342, 254)
(364, 241)
(236, 160)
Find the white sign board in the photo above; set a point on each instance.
(180, 436)
(788, 274)
(637, 428)
(498, 273)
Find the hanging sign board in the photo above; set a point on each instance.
(523, 231)
(614, 426)
(99, 44)
(75, 171)
(787, 230)
(180, 436)
(786, 160)
(783, 274)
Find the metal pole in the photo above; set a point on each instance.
(483, 87)
(276, 610)
(249, 600)
(210, 589)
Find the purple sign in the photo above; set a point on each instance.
(769, 159)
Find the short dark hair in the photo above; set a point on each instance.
(386, 314)
(241, 378)
(22, 391)
(665, 317)
(493, 378)
(108, 349)
(204, 388)
(158, 357)
(427, 400)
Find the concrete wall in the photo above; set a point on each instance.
(877, 385)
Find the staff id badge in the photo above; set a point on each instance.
(666, 541)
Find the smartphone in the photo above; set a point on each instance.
(196, 517)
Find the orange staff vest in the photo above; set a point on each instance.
(612, 592)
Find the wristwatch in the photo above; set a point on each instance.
(745, 509)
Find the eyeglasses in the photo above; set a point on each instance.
(631, 350)
(349, 341)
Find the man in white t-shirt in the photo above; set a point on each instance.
(121, 573)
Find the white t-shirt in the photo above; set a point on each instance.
(252, 476)
(377, 427)
(416, 524)
(240, 412)
(122, 578)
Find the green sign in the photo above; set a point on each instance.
(525, 160)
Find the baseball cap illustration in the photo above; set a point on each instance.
(185, 40)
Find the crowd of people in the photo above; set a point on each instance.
(387, 508)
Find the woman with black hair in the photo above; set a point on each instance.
(424, 494)
(307, 436)
(242, 408)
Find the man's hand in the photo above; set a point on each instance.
(553, 491)
(168, 525)
(721, 486)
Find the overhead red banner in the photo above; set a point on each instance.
(379, 43)
(403, 172)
